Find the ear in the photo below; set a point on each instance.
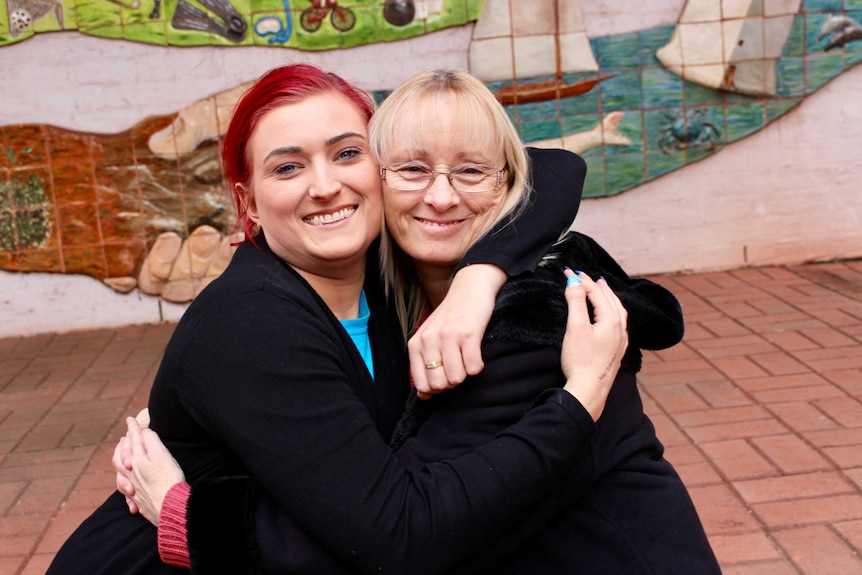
(246, 197)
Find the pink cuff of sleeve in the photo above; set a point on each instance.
(173, 541)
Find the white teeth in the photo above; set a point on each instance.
(437, 224)
(319, 220)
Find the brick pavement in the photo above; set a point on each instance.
(760, 408)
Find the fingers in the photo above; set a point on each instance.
(417, 368)
(152, 443)
(125, 485)
(143, 417)
(133, 507)
(610, 314)
(122, 458)
(439, 365)
(133, 434)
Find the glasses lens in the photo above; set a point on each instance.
(408, 177)
(474, 178)
(416, 176)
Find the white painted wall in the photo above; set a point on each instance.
(788, 194)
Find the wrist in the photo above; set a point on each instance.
(487, 278)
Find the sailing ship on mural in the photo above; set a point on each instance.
(145, 208)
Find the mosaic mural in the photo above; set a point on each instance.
(145, 208)
(302, 24)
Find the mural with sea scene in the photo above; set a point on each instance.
(145, 208)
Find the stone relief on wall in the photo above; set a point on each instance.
(145, 208)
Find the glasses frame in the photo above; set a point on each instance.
(448, 174)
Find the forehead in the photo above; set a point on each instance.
(308, 121)
(444, 124)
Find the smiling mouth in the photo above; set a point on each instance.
(436, 224)
(323, 219)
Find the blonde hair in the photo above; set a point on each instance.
(401, 119)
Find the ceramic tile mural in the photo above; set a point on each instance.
(145, 208)
(302, 24)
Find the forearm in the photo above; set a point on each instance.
(414, 541)
(557, 178)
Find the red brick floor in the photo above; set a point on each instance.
(760, 408)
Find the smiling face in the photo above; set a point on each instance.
(315, 188)
(436, 226)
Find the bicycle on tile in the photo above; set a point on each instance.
(343, 19)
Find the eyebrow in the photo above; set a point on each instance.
(298, 149)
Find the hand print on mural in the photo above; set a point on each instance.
(145, 208)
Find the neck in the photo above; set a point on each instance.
(339, 290)
(435, 280)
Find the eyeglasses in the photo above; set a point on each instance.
(466, 178)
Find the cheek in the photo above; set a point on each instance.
(394, 207)
(486, 208)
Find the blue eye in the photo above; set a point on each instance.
(286, 169)
(349, 154)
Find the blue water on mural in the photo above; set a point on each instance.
(670, 121)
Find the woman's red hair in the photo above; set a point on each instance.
(281, 85)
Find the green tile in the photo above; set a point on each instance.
(584, 104)
(47, 23)
(532, 131)
(368, 28)
(576, 124)
(661, 89)
(178, 37)
(623, 170)
(70, 15)
(95, 14)
(696, 154)
(744, 120)
(777, 108)
(623, 91)
(113, 32)
(325, 38)
(795, 45)
(790, 72)
(7, 231)
(474, 8)
(659, 164)
(148, 32)
(415, 28)
(594, 184)
(453, 14)
(823, 5)
(696, 95)
(619, 51)
(650, 41)
(820, 68)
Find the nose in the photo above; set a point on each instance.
(440, 195)
(325, 183)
